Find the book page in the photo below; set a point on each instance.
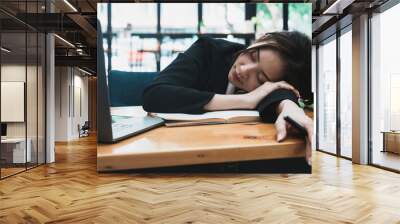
(228, 114)
(180, 117)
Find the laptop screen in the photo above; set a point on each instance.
(119, 99)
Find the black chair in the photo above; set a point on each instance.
(84, 130)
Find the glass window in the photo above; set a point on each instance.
(186, 22)
(102, 15)
(300, 17)
(138, 46)
(41, 79)
(327, 96)
(13, 82)
(234, 39)
(171, 47)
(143, 55)
(106, 50)
(32, 90)
(223, 18)
(385, 89)
(31, 101)
(138, 17)
(346, 94)
(23, 84)
(269, 17)
(121, 46)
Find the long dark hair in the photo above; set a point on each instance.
(295, 50)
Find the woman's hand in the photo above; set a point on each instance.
(254, 97)
(289, 108)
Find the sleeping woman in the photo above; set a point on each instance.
(271, 76)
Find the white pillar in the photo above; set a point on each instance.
(50, 99)
(50, 92)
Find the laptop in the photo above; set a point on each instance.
(114, 128)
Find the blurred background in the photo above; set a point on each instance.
(146, 37)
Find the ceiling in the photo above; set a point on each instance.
(328, 13)
(76, 25)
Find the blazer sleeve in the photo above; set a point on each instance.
(178, 87)
(267, 106)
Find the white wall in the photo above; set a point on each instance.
(71, 102)
(61, 103)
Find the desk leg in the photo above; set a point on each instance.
(384, 142)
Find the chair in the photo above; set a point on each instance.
(126, 88)
(84, 130)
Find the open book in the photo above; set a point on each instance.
(215, 117)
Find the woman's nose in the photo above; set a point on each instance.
(245, 69)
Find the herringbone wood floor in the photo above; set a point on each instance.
(71, 191)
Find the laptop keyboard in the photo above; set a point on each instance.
(130, 125)
(120, 126)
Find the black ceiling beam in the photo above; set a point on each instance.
(49, 22)
(91, 6)
(86, 26)
(8, 24)
(81, 61)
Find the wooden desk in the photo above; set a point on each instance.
(208, 144)
(14, 152)
(391, 141)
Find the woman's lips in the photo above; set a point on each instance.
(236, 76)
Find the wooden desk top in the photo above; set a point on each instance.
(172, 146)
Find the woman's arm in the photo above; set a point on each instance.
(289, 108)
(248, 100)
(228, 102)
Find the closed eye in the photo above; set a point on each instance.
(253, 56)
(262, 77)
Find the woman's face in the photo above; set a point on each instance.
(251, 69)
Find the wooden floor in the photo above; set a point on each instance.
(387, 159)
(10, 171)
(71, 191)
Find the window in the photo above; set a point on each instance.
(385, 87)
(102, 15)
(138, 46)
(300, 17)
(170, 23)
(346, 94)
(170, 48)
(269, 17)
(22, 68)
(133, 17)
(223, 18)
(142, 55)
(327, 96)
